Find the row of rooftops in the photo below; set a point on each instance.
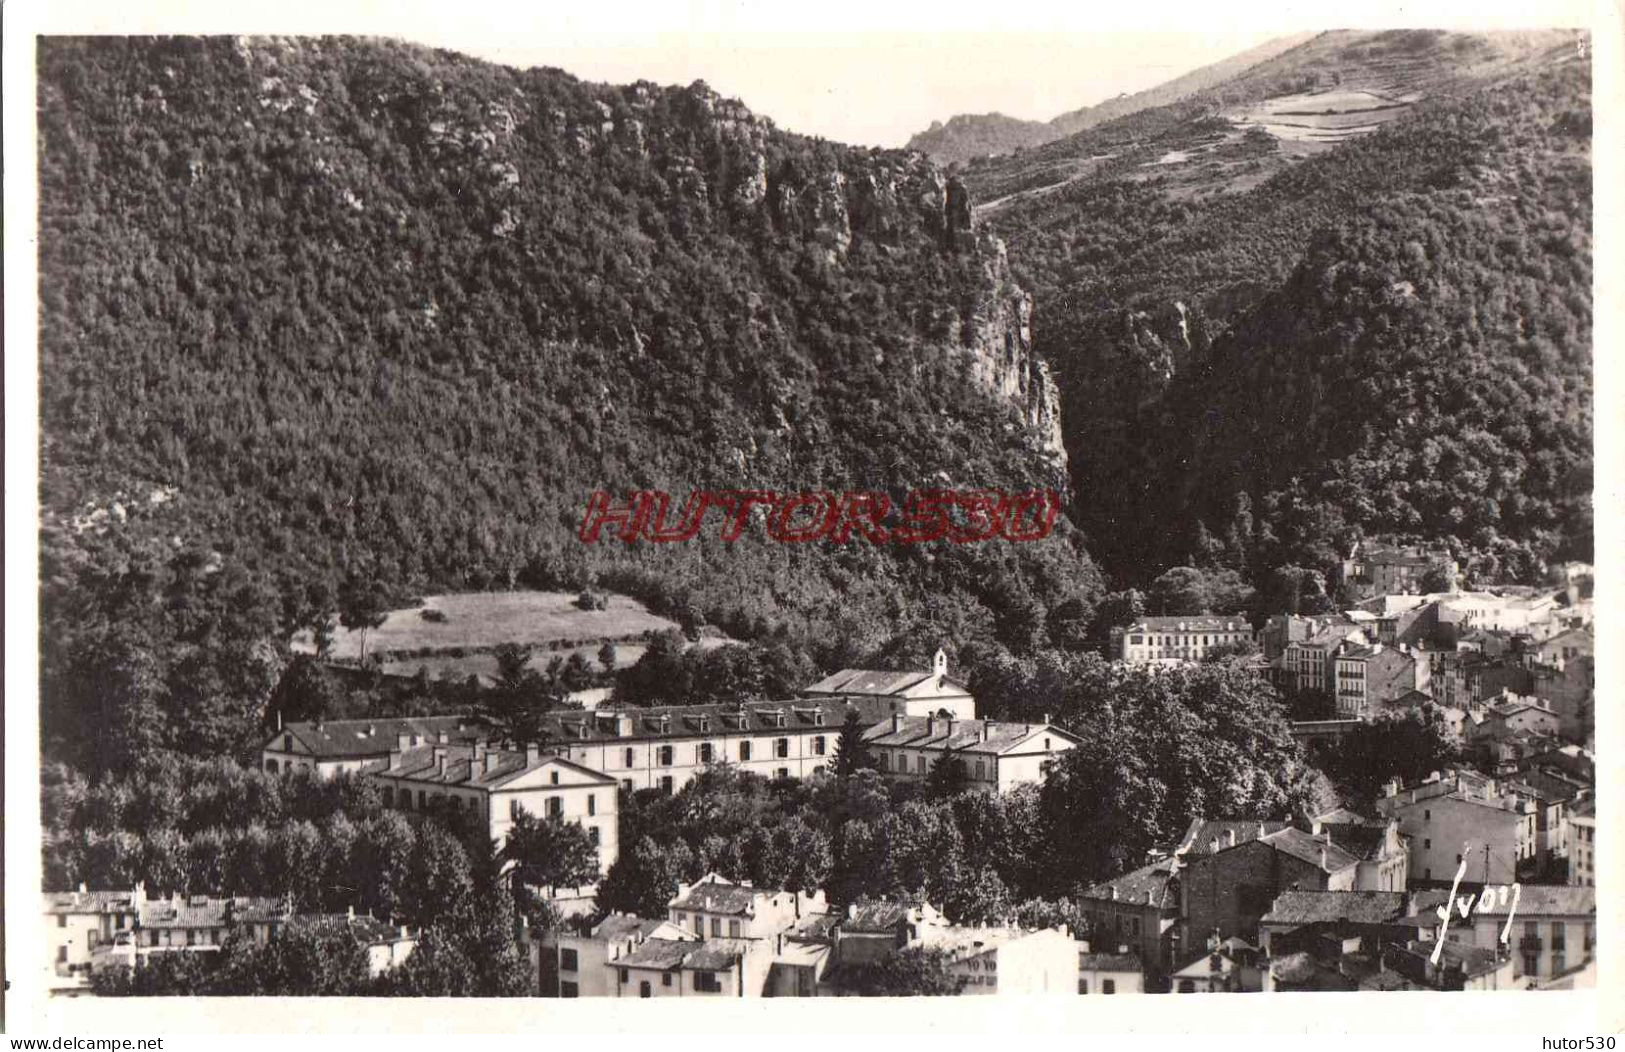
(463, 739)
(198, 912)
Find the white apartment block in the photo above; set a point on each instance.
(1453, 820)
(1176, 640)
(1582, 840)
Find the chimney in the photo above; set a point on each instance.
(372, 728)
(394, 759)
(1322, 858)
(896, 722)
(930, 726)
(1114, 892)
(491, 760)
(852, 911)
(1213, 845)
(1046, 718)
(479, 748)
(1230, 837)
(403, 741)
(952, 725)
(440, 762)
(1122, 947)
(82, 888)
(1262, 832)
(349, 913)
(533, 754)
(442, 738)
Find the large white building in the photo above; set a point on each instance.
(1176, 640)
(1460, 818)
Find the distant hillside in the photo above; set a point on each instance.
(1281, 323)
(966, 137)
(321, 312)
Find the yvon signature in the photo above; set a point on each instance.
(1493, 897)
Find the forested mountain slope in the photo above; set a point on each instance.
(1272, 349)
(322, 311)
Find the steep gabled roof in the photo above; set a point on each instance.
(1146, 886)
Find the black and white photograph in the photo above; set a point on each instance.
(555, 508)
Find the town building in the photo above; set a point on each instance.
(1229, 966)
(1306, 664)
(1564, 647)
(1176, 640)
(329, 747)
(83, 921)
(996, 756)
(1458, 818)
(495, 786)
(921, 693)
(719, 908)
(1582, 819)
(1139, 909)
(1375, 569)
(1383, 859)
(1226, 889)
(1370, 677)
(573, 964)
(1011, 961)
(1109, 973)
(1554, 928)
(872, 928)
(1294, 910)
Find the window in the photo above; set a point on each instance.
(981, 769)
(885, 761)
(1427, 815)
(629, 760)
(1427, 843)
(1187, 986)
(699, 924)
(919, 764)
(61, 955)
(423, 799)
(733, 929)
(592, 803)
(568, 961)
(665, 756)
(555, 807)
(1108, 986)
(569, 990)
(704, 752)
(665, 785)
(626, 784)
(818, 745)
(514, 810)
(389, 796)
(706, 982)
(744, 750)
(1083, 986)
(61, 920)
(643, 989)
(781, 747)
(665, 978)
(1046, 744)
(620, 975)
(1531, 964)
(553, 777)
(783, 772)
(270, 765)
(716, 927)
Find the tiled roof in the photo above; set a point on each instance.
(875, 916)
(925, 732)
(800, 715)
(662, 954)
(66, 902)
(871, 681)
(715, 895)
(715, 955)
(1146, 886)
(462, 769)
(332, 739)
(1191, 623)
(618, 926)
(1364, 842)
(1109, 962)
(205, 912)
(1294, 967)
(1199, 836)
(1315, 907)
(1300, 845)
(1545, 900)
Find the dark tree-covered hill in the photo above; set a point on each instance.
(326, 310)
(1270, 347)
